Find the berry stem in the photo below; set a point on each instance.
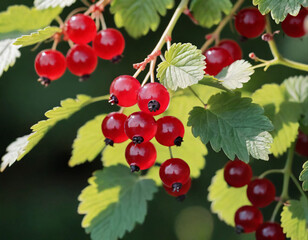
(272, 43)
(72, 13)
(270, 172)
(103, 22)
(170, 151)
(152, 69)
(86, 3)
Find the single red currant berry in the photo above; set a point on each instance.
(170, 131)
(302, 144)
(109, 44)
(174, 173)
(247, 219)
(181, 193)
(270, 231)
(232, 47)
(261, 192)
(293, 26)
(237, 173)
(49, 65)
(81, 61)
(250, 23)
(124, 90)
(153, 98)
(80, 29)
(140, 127)
(140, 156)
(216, 59)
(113, 128)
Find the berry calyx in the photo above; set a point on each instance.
(124, 90)
(140, 127)
(250, 23)
(302, 144)
(170, 131)
(247, 219)
(153, 98)
(261, 192)
(237, 173)
(81, 29)
(293, 26)
(49, 65)
(141, 156)
(232, 47)
(216, 59)
(181, 193)
(113, 128)
(270, 231)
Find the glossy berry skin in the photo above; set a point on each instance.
(232, 47)
(113, 128)
(153, 98)
(81, 29)
(247, 219)
(109, 44)
(261, 192)
(140, 127)
(124, 91)
(293, 26)
(140, 156)
(174, 173)
(270, 231)
(216, 59)
(170, 131)
(302, 144)
(237, 173)
(81, 60)
(183, 191)
(250, 23)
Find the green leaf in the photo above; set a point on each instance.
(43, 4)
(228, 122)
(36, 37)
(283, 114)
(139, 16)
(114, 202)
(209, 12)
(183, 67)
(226, 200)
(294, 219)
(8, 54)
(211, 81)
(304, 176)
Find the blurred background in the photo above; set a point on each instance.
(38, 196)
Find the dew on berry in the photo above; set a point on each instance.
(237, 173)
(216, 59)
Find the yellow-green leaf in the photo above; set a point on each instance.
(304, 176)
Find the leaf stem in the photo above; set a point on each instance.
(271, 171)
(298, 185)
(197, 96)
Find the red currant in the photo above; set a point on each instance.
(261, 192)
(80, 29)
(140, 156)
(293, 26)
(81, 60)
(113, 128)
(232, 47)
(250, 23)
(153, 98)
(170, 131)
(181, 193)
(247, 219)
(174, 173)
(237, 173)
(50, 65)
(216, 59)
(124, 90)
(270, 231)
(302, 144)
(140, 127)
(109, 44)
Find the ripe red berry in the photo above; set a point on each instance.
(109, 44)
(140, 127)
(293, 26)
(49, 65)
(250, 23)
(170, 131)
(261, 192)
(232, 47)
(113, 128)
(80, 29)
(124, 90)
(216, 59)
(181, 193)
(81, 60)
(302, 144)
(270, 231)
(140, 156)
(153, 98)
(174, 173)
(237, 173)
(247, 219)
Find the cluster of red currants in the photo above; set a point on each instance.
(140, 127)
(81, 59)
(260, 192)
